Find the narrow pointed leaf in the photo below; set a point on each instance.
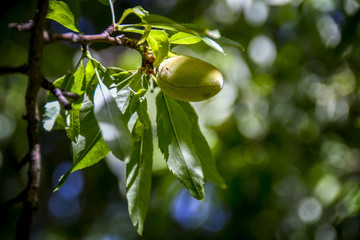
(138, 10)
(135, 101)
(76, 87)
(61, 13)
(159, 43)
(213, 44)
(228, 42)
(184, 38)
(202, 147)
(145, 34)
(90, 147)
(139, 169)
(175, 142)
(111, 121)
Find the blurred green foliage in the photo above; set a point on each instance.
(285, 129)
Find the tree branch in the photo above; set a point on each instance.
(30, 200)
(104, 37)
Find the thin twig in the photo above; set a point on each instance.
(104, 37)
(22, 27)
(59, 94)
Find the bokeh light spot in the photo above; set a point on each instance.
(262, 50)
(309, 210)
(327, 189)
(257, 13)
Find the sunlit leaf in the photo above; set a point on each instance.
(228, 42)
(51, 113)
(111, 121)
(184, 38)
(135, 101)
(61, 13)
(159, 43)
(76, 87)
(139, 169)
(202, 147)
(145, 34)
(72, 82)
(135, 82)
(175, 142)
(138, 10)
(90, 147)
(213, 44)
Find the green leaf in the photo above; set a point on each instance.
(76, 87)
(132, 29)
(111, 121)
(90, 147)
(123, 98)
(123, 79)
(138, 10)
(175, 142)
(145, 34)
(135, 82)
(72, 82)
(116, 70)
(135, 101)
(228, 42)
(91, 78)
(139, 169)
(213, 44)
(159, 43)
(61, 13)
(165, 23)
(51, 114)
(184, 38)
(161, 22)
(202, 147)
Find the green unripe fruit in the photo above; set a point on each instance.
(189, 79)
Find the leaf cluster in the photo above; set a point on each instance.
(99, 121)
